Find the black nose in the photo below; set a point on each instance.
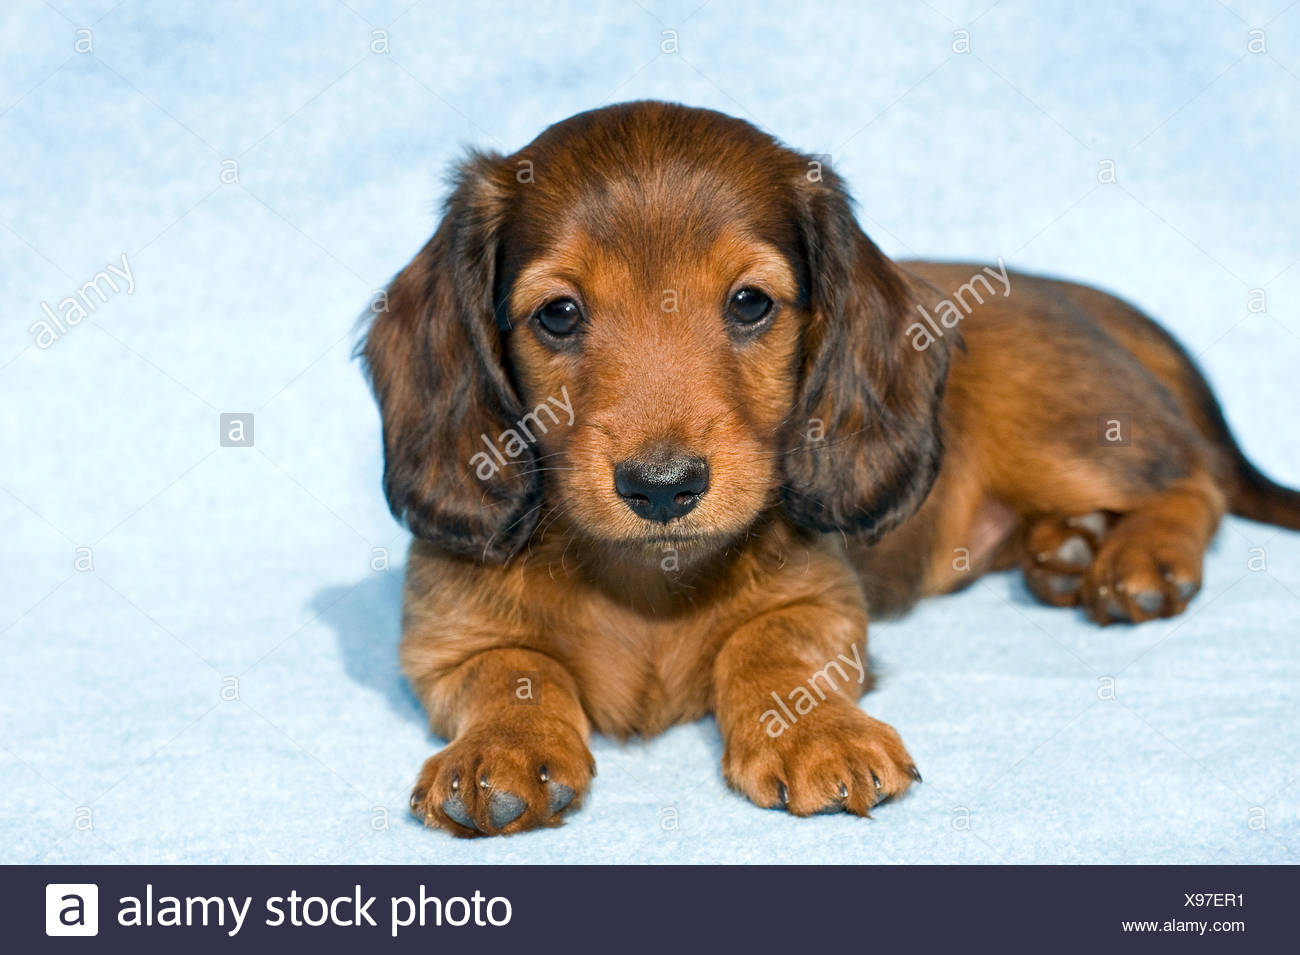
(661, 486)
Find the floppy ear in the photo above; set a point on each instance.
(435, 360)
(865, 444)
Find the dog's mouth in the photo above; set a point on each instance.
(696, 540)
(682, 537)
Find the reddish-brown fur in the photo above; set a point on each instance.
(843, 476)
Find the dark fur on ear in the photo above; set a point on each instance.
(865, 443)
(435, 359)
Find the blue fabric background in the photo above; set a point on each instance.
(248, 571)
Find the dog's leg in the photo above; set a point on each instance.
(785, 689)
(1138, 562)
(1149, 563)
(518, 756)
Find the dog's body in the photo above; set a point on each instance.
(770, 429)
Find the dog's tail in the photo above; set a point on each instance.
(1258, 497)
(1250, 493)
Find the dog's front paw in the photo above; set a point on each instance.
(835, 758)
(503, 777)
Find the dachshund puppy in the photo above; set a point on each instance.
(665, 425)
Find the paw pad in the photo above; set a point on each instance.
(504, 808)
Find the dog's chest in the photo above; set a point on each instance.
(640, 675)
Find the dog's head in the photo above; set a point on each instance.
(659, 323)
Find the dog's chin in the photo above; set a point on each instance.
(672, 551)
(669, 546)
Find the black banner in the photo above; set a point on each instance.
(796, 908)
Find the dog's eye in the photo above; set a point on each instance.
(749, 306)
(560, 317)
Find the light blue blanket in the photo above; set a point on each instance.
(199, 642)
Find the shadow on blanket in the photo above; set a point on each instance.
(367, 622)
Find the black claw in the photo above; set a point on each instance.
(914, 773)
(545, 773)
(483, 781)
(782, 793)
(876, 781)
(560, 796)
(504, 808)
(838, 806)
(455, 810)
(417, 797)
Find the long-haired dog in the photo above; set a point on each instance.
(666, 425)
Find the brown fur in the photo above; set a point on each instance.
(843, 476)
